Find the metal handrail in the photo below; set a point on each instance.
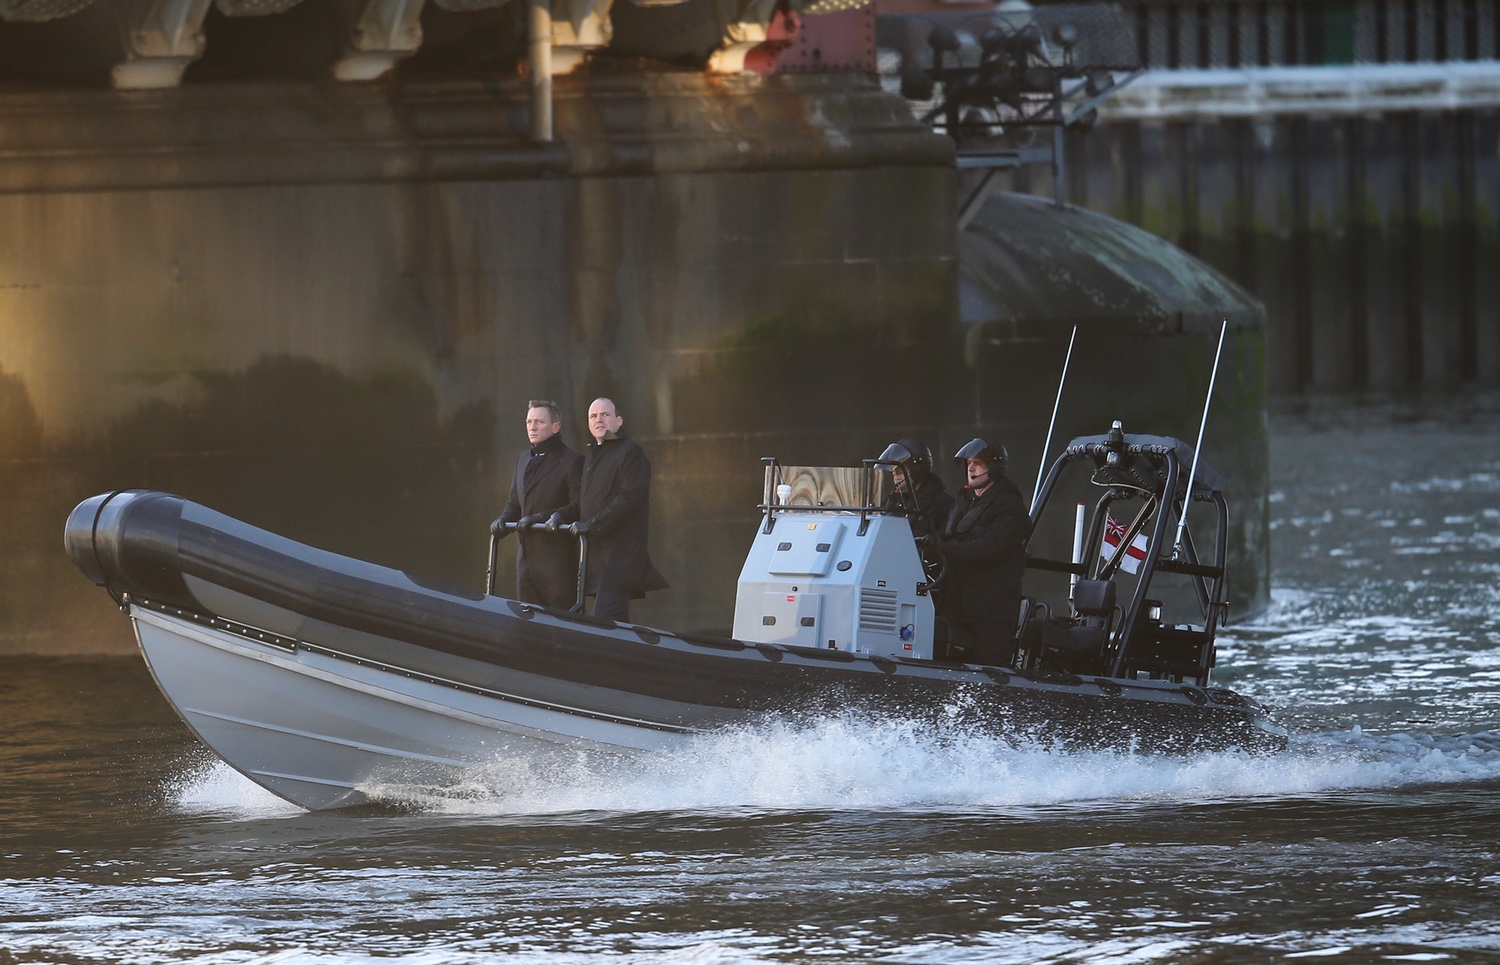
(515, 527)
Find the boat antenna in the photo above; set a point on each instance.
(1042, 465)
(1187, 496)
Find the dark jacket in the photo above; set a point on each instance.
(615, 504)
(927, 505)
(548, 478)
(984, 541)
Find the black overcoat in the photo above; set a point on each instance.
(548, 478)
(985, 543)
(615, 504)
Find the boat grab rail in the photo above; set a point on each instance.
(517, 527)
(778, 491)
(1207, 570)
(1056, 566)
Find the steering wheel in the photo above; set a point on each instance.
(934, 563)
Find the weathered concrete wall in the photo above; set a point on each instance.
(323, 311)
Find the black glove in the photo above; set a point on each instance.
(579, 528)
(526, 521)
(555, 523)
(497, 528)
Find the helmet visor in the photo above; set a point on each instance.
(895, 454)
(974, 449)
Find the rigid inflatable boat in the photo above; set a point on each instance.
(326, 679)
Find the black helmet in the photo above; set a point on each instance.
(993, 454)
(910, 455)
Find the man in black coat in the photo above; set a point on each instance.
(614, 511)
(548, 479)
(984, 542)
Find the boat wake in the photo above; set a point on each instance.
(211, 787)
(853, 763)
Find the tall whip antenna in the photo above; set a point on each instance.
(1042, 466)
(1187, 497)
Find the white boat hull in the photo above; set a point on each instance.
(332, 682)
(325, 731)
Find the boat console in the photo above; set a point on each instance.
(827, 570)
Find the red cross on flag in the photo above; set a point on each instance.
(1114, 532)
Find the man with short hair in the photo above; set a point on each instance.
(546, 481)
(614, 512)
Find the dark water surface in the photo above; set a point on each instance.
(1373, 839)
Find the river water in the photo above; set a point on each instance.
(1374, 838)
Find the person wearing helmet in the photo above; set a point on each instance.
(917, 492)
(984, 541)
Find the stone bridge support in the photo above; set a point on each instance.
(162, 37)
(381, 33)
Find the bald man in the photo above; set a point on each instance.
(614, 511)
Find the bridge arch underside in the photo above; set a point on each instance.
(143, 44)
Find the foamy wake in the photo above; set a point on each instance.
(213, 786)
(848, 763)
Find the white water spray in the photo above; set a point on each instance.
(899, 765)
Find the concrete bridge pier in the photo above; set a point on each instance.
(323, 308)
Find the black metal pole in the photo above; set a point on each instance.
(583, 568)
